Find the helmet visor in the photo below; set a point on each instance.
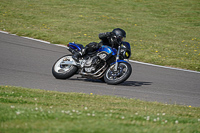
(122, 38)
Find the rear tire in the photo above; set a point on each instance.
(123, 73)
(63, 72)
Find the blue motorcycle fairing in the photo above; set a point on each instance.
(119, 61)
(127, 45)
(75, 46)
(108, 49)
(105, 48)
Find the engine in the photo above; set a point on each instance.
(91, 64)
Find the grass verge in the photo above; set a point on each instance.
(34, 110)
(160, 32)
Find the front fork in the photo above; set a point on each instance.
(117, 58)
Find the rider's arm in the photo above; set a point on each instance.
(105, 35)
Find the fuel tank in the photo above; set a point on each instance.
(108, 49)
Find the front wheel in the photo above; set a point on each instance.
(63, 71)
(123, 72)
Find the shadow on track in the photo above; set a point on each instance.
(135, 83)
(126, 83)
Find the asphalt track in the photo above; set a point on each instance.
(28, 63)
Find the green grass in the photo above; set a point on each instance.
(25, 110)
(160, 32)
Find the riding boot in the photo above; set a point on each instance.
(79, 54)
(83, 51)
(76, 56)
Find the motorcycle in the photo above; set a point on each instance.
(106, 63)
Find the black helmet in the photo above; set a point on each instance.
(120, 33)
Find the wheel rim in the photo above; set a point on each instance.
(62, 69)
(119, 74)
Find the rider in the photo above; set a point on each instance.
(108, 38)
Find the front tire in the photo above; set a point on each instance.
(116, 77)
(63, 72)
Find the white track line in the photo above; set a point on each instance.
(164, 66)
(129, 60)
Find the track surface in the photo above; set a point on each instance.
(28, 63)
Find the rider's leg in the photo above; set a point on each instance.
(79, 54)
(88, 48)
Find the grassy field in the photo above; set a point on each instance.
(32, 110)
(160, 32)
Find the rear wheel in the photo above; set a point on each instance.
(123, 72)
(64, 71)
